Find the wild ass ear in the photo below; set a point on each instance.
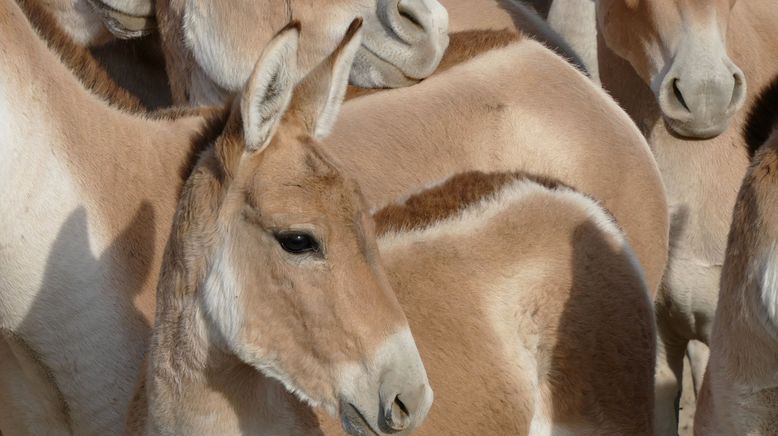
(268, 91)
(318, 97)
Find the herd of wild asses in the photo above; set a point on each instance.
(378, 217)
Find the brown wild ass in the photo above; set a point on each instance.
(272, 273)
(740, 389)
(692, 60)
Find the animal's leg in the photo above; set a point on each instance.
(670, 349)
(698, 354)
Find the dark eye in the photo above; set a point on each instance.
(297, 243)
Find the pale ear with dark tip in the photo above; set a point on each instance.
(268, 91)
(319, 95)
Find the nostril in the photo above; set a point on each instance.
(396, 416)
(409, 15)
(737, 92)
(401, 409)
(679, 95)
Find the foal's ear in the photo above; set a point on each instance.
(319, 95)
(268, 91)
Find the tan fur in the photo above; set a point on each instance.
(136, 64)
(515, 321)
(740, 390)
(701, 176)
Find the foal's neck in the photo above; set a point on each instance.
(195, 386)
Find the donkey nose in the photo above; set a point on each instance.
(417, 21)
(399, 410)
(700, 103)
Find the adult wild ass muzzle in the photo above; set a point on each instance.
(403, 43)
(702, 88)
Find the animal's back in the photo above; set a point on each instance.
(528, 307)
(490, 114)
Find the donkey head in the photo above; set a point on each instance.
(679, 49)
(294, 286)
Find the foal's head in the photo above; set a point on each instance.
(293, 284)
(679, 47)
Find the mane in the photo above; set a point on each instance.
(215, 123)
(762, 118)
(78, 59)
(456, 194)
(92, 74)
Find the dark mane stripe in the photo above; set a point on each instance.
(762, 118)
(78, 59)
(456, 194)
(91, 73)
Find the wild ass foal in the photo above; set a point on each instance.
(272, 272)
(92, 201)
(740, 389)
(692, 60)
